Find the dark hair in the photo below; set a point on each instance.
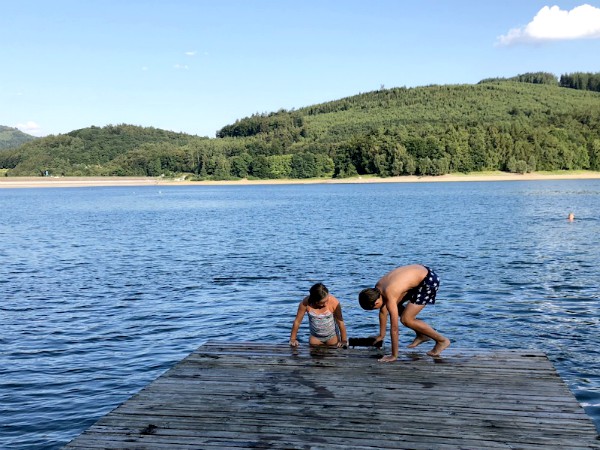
(368, 297)
(317, 293)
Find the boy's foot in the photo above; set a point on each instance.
(418, 341)
(439, 348)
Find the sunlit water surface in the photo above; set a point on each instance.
(103, 289)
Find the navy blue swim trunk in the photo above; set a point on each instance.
(425, 292)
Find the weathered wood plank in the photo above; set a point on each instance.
(254, 395)
(448, 423)
(429, 409)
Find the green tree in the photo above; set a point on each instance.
(304, 165)
(595, 154)
(260, 167)
(240, 165)
(280, 166)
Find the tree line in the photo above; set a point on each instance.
(517, 125)
(586, 81)
(581, 80)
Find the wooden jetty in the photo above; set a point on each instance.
(252, 395)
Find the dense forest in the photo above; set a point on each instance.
(531, 122)
(579, 80)
(12, 138)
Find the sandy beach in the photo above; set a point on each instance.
(63, 182)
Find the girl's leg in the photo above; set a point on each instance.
(313, 341)
(317, 342)
(332, 342)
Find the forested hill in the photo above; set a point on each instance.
(112, 150)
(12, 138)
(494, 125)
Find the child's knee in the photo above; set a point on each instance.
(405, 321)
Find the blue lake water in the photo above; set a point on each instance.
(103, 289)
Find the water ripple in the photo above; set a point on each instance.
(106, 288)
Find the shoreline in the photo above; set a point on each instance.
(62, 182)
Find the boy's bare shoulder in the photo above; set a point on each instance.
(414, 270)
(399, 280)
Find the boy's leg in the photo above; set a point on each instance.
(409, 319)
(419, 339)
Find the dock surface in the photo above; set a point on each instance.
(251, 395)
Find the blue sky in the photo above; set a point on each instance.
(197, 65)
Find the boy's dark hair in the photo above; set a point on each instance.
(317, 293)
(368, 297)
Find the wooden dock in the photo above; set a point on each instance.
(250, 395)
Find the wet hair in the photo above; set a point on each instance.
(368, 297)
(317, 293)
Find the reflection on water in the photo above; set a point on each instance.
(105, 288)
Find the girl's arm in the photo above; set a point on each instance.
(337, 314)
(297, 322)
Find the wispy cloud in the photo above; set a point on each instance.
(555, 24)
(181, 66)
(29, 127)
(192, 53)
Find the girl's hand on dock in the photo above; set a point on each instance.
(388, 358)
(294, 343)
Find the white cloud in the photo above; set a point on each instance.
(181, 66)
(29, 127)
(555, 24)
(192, 53)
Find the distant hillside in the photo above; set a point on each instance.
(12, 138)
(508, 125)
(110, 150)
(501, 125)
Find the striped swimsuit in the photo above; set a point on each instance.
(322, 323)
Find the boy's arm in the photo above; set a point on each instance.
(383, 313)
(393, 311)
(337, 314)
(297, 322)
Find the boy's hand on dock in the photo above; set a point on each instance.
(388, 358)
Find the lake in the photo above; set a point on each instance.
(103, 289)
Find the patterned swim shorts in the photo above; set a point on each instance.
(425, 292)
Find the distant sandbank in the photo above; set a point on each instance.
(62, 182)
